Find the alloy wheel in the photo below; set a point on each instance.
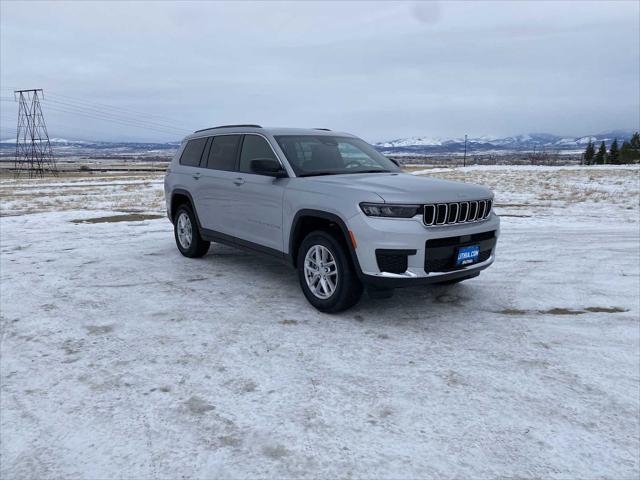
(185, 230)
(321, 271)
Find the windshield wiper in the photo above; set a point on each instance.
(315, 174)
(333, 172)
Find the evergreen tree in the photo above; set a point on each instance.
(589, 153)
(630, 151)
(601, 156)
(614, 154)
(625, 152)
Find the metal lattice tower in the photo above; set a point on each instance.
(33, 149)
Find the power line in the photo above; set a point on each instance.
(66, 104)
(110, 119)
(161, 118)
(108, 115)
(106, 118)
(92, 110)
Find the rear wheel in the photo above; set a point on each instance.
(185, 229)
(326, 275)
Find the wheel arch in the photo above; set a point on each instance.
(180, 196)
(308, 220)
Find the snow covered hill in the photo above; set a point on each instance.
(64, 148)
(520, 143)
(420, 145)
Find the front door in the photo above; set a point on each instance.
(258, 198)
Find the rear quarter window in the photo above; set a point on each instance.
(193, 152)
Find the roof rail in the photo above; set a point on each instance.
(229, 126)
(325, 129)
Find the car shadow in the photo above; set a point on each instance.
(413, 302)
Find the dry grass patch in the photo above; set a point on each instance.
(606, 309)
(129, 217)
(561, 311)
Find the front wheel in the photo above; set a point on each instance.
(326, 275)
(185, 229)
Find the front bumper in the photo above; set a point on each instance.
(373, 234)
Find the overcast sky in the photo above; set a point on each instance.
(379, 70)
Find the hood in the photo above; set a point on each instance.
(407, 188)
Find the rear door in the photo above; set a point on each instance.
(190, 172)
(215, 186)
(258, 199)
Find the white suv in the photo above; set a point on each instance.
(330, 205)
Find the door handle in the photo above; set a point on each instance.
(196, 175)
(238, 181)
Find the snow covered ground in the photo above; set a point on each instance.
(120, 358)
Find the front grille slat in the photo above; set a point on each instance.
(454, 213)
(454, 208)
(473, 211)
(488, 211)
(441, 214)
(481, 206)
(429, 215)
(464, 211)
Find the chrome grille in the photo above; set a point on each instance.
(456, 212)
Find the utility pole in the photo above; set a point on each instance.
(464, 160)
(33, 149)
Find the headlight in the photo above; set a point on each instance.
(394, 211)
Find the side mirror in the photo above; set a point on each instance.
(268, 167)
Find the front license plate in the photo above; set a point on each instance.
(467, 255)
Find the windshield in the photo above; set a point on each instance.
(327, 155)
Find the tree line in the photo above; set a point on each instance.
(629, 152)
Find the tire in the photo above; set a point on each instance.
(457, 280)
(347, 287)
(187, 233)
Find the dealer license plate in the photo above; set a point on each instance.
(468, 255)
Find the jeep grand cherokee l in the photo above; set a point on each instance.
(330, 205)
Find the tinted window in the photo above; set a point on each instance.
(192, 152)
(223, 153)
(254, 148)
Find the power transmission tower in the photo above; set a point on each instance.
(33, 149)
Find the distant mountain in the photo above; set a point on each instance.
(53, 141)
(518, 143)
(63, 142)
(63, 147)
